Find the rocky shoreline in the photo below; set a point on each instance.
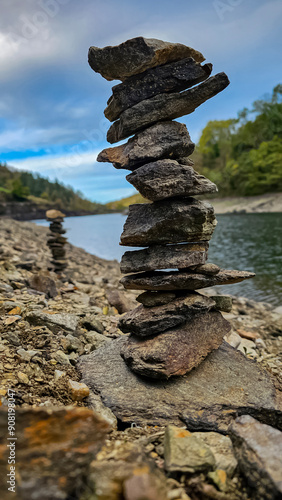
(48, 326)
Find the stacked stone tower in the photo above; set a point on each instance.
(175, 327)
(56, 241)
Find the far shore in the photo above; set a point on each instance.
(271, 202)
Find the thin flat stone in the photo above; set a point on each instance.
(151, 299)
(162, 140)
(163, 223)
(178, 350)
(226, 384)
(165, 257)
(173, 77)
(167, 178)
(258, 449)
(136, 55)
(182, 280)
(144, 321)
(165, 107)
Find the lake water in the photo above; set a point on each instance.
(248, 242)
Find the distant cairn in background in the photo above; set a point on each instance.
(174, 328)
(56, 241)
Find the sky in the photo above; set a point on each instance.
(52, 102)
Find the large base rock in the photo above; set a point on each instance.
(176, 351)
(226, 384)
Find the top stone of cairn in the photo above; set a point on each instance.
(136, 55)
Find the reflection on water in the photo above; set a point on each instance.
(248, 242)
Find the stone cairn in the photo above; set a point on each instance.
(56, 241)
(175, 327)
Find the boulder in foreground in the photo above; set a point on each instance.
(177, 351)
(226, 384)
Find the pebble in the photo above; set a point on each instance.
(61, 358)
(58, 374)
(78, 390)
(26, 355)
(23, 378)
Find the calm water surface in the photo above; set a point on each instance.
(249, 242)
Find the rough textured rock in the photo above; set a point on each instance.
(144, 322)
(54, 449)
(165, 107)
(55, 322)
(164, 257)
(167, 178)
(222, 303)
(184, 452)
(258, 449)
(182, 280)
(163, 223)
(177, 351)
(151, 299)
(43, 283)
(226, 384)
(221, 447)
(136, 55)
(173, 77)
(118, 300)
(162, 140)
(208, 268)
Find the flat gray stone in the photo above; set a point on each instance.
(164, 257)
(55, 322)
(136, 55)
(226, 384)
(182, 280)
(165, 107)
(172, 77)
(176, 351)
(258, 449)
(162, 140)
(174, 222)
(151, 299)
(167, 178)
(144, 321)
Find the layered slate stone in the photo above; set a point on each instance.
(167, 178)
(144, 322)
(151, 299)
(163, 223)
(165, 107)
(165, 257)
(182, 280)
(163, 140)
(176, 351)
(258, 450)
(226, 384)
(137, 55)
(172, 77)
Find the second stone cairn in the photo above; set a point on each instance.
(175, 327)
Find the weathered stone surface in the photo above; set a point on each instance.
(221, 447)
(54, 321)
(165, 107)
(182, 280)
(144, 322)
(43, 283)
(136, 55)
(222, 303)
(151, 299)
(175, 222)
(173, 77)
(258, 449)
(184, 452)
(54, 449)
(226, 384)
(167, 178)
(177, 351)
(118, 300)
(54, 215)
(207, 268)
(162, 140)
(164, 257)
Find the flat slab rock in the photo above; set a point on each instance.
(144, 321)
(226, 384)
(167, 178)
(172, 77)
(165, 257)
(136, 55)
(176, 351)
(258, 449)
(182, 280)
(163, 223)
(163, 140)
(165, 107)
